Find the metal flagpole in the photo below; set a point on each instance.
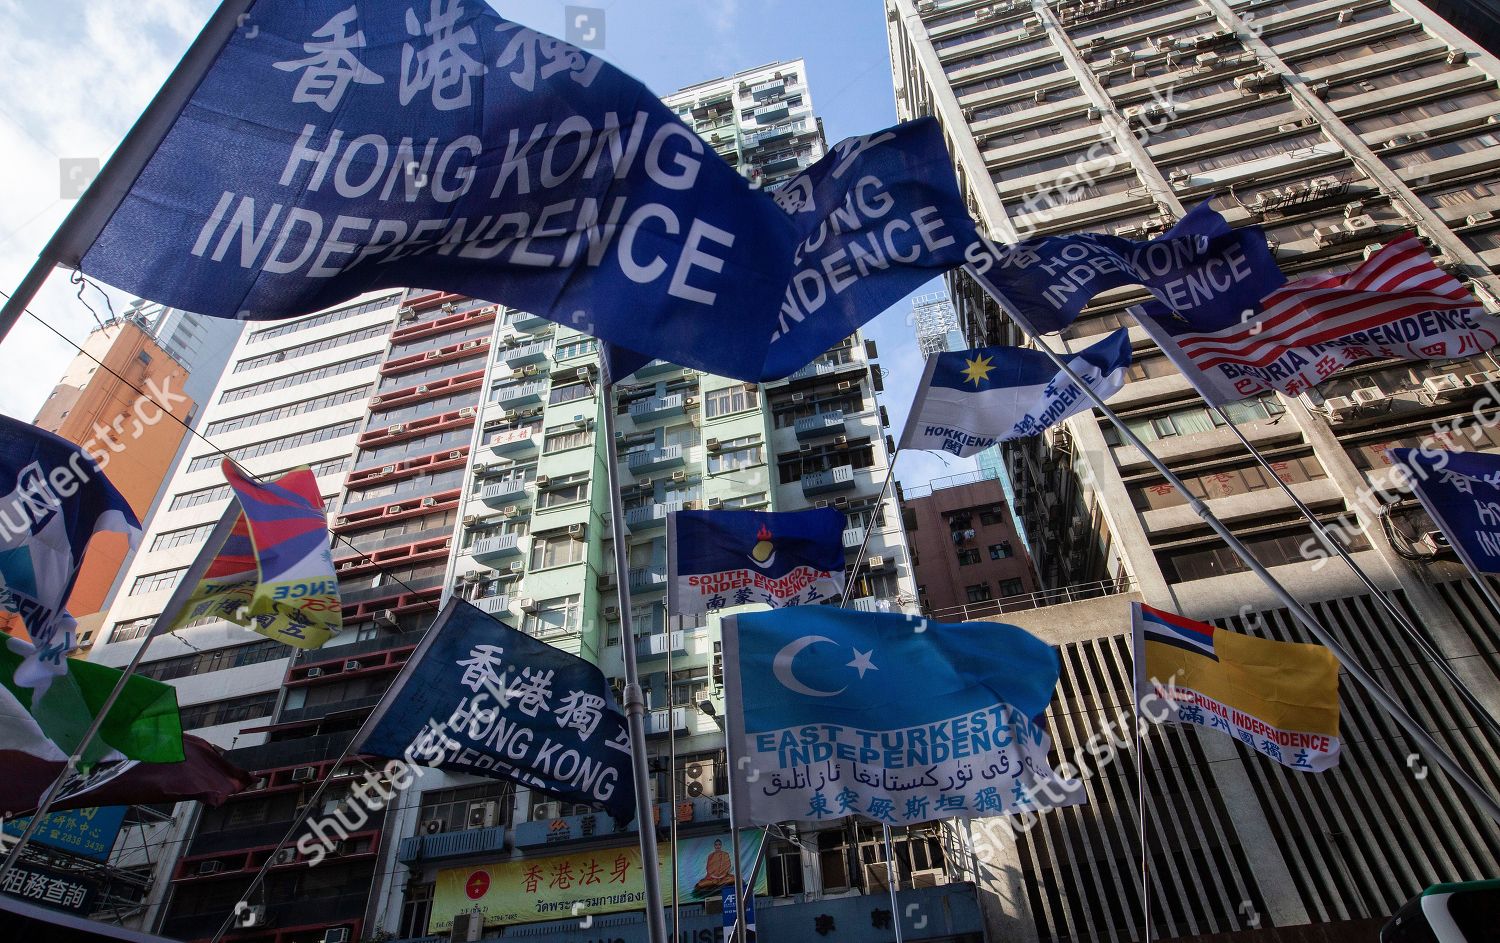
(635, 702)
(107, 191)
(178, 599)
(1421, 643)
(672, 787)
(760, 856)
(1137, 676)
(1420, 737)
(859, 559)
(738, 930)
(893, 880)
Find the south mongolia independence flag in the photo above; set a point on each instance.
(970, 399)
(275, 573)
(720, 559)
(1279, 698)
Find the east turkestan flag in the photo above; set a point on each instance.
(1280, 699)
(275, 572)
(53, 498)
(968, 400)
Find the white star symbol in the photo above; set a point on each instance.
(862, 662)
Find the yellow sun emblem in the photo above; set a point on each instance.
(977, 369)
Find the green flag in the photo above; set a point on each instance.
(143, 725)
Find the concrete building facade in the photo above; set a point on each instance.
(1331, 125)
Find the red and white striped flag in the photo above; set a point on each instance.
(1398, 303)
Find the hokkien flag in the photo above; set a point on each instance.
(834, 712)
(376, 144)
(1461, 491)
(970, 399)
(721, 559)
(275, 572)
(480, 697)
(1199, 265)
(1397, 303)
(53, 499)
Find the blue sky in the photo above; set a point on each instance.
(79, 72)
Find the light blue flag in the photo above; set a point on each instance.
(970, 399)
(834, 712)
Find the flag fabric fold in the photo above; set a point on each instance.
(53, 498)
(968, 400)
(275, 572)
(1397, 303)
(1280, 699)
(379, 143)
(719, 559)
(1461, 492)
(833, 712)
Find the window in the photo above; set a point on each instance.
(327, 343)
(554, 617)
(990, 516)
(690, 687)
(192, 499)
(731, 399)
(126, 631)
(566, 493)
(968, 556)
(454, 810)
(979, 592)
(1240, 479)
(736, 453)
(784, 869)
(231, 711)
(357, 394)
(416, 909)
(155, 582)
(176, 538)
(296, 379)
(1012, 587)
(271, 446)
(569, 392)
(556, 549)
(318, 320)
(216, 660)
(575, 349)
(835, 859)
(560, 439)
(1001, 551)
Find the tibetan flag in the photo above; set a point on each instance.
(1398, 303)
(40, 729)
(53, 499)
(1461, 492)
(835, 712)
(275, 572)
(721, 559)
(1278, 698)
(970, 399)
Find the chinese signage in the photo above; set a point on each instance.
(598, 881)
(45, 886)
(88, 833)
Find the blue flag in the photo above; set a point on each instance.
(970, 399)
(53, 498)
(1199, 265)
(718, 559)
(480, 697)
(1461, 491)
(366, 144)
(834, 712)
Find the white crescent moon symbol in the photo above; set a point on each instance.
(781, 666)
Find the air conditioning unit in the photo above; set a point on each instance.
(877, 562)
(1457, 57)
(1367, 396)
(517, 567)
(510, 510)
(528, 605)
(468, 345)
(845, 385)
(304, 774)
(467, 927)
(406, 314)
(386, 617)
(679, 475)
(712, 445)
(1121, 54)
(1360, 223)
(258, 785)
(397, 429)
(1207, 61)
(434, 826)
(545, 811)
(252, 916)
(422, 389)
(1443, 386)
(336, 935)
(1327, 235)
(353, 664)
(1478, 218)
(210, 867)
(1039, 96)
(433, 354)
(840, 502)
(543, 481)
(698, 779)
(394, 509)
(798, 397)
(821, 503)
(285, 856)
(715, 503)
(348, 564)
(575, 531)
(315, 672)
(841, 440)
(468, 412)
(1480, 379)
(611, 613)
(484, 814)
(1033, 24)
(429, 502)
(388, 470)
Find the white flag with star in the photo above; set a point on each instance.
(970, 399)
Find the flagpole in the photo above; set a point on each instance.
(760, 856)
(185, 587)
(672, 785)
(1372, 686)
(893, 879)
(104, 195)
(859, 560)
(1426, 647)
(1137, 679)
(635, 704)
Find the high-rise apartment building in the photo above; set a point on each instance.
(460, 449)
(967, 552)
(935, 323)
(1332, 125)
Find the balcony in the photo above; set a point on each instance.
(494, 605)
(865, 604)
(660, 645)
(655, 408)
(768, 89)
(656, 368)
(820, 424)
(666, 720)
(650, 460)
(506, 491)
(822, 368)
(829, 481)
(646, 579)
(782, 163)
(526, 321)
(520, 394)
(471, 841)
(770, 114)
(512, 442)
(569, 828)
(854, 538)
(650, 516)
(535, 352)
(497, 548)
